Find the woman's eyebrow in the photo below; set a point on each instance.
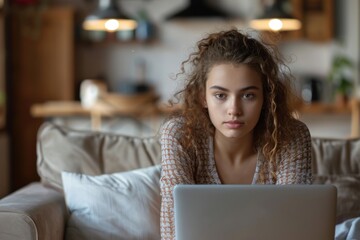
(242, 89)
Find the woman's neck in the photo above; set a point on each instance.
(234, 150)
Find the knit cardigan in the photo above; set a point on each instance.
(182, 166)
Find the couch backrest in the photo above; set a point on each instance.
(336, 156)
(93, 153)
(337, 162)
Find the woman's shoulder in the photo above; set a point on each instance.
(298, 127)
(299, 134)
(172, 126)
(297, 146)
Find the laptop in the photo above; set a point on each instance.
(271, 212)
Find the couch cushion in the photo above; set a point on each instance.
(335, 156)
(348, 194)
(114, 206)
(93, 153)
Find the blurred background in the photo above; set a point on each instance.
(54, 67)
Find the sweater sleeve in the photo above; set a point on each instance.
(295, 163)
(177, 168)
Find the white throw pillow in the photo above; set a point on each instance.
(122, 205)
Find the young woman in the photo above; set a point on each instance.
(236, 125)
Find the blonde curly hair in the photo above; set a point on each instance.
(235, 47)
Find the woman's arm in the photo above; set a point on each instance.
(294, 166)
(177, 168)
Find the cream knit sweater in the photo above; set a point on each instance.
(293, 167)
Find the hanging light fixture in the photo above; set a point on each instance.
(197, 9)
(276, 18)
(107, 17)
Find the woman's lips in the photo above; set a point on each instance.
(233, 124)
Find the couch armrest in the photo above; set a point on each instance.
(34, 212)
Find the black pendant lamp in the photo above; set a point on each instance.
(276, 18)
(197, 9)
(107, 17)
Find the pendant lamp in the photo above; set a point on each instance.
(276, 18)
(107, 17)
(198, 9)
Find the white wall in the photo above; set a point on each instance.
(351, 16)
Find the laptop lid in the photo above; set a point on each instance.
(271, 212)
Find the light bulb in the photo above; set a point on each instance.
(111, 25)
(275, 24)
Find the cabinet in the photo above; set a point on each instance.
(318, 20)
(41, 69)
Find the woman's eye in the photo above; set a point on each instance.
(220, 96)
(248, 96)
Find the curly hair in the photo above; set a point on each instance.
(235, 47)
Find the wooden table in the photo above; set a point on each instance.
(97, 111)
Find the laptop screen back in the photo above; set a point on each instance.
(255, 212)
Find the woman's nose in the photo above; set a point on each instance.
(234, 108)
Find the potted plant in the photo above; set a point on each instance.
(341, 77)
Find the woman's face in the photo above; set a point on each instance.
(234, 99)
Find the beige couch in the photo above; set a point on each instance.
(38, 211)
